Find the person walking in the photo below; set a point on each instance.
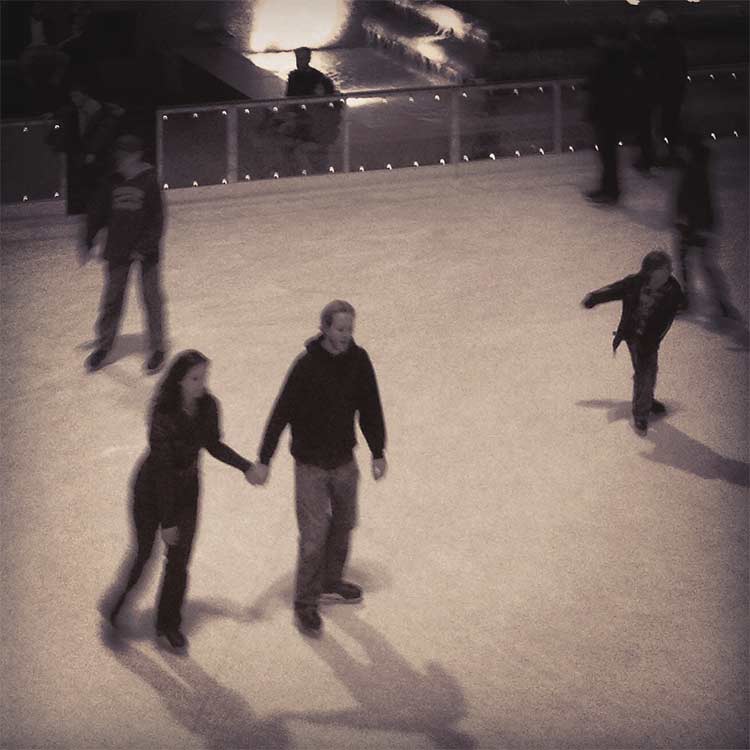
(327, 385)
(185, 417)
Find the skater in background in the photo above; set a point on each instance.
(185, 417)
(650, 300)
(695, 220)
(660, 74)
(327, 384)
(129, 205)
(607, 92)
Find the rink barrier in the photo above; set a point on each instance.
(225, 132)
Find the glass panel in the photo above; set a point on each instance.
(29, 165)
(289, 140)
(194, 148)
(399, 129)
(504, 121)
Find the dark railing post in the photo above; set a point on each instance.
(232, 145)
(346, 155)
(557, 117)
(455, 125)
(159, 148)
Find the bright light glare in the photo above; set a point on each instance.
(287, 24)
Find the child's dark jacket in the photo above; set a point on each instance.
(170, 471)
(132, 211)
(319, 399)
(629, 291)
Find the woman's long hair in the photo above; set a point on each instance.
(168, 396)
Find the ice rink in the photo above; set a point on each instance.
(536, 574)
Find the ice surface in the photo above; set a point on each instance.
(535, 573)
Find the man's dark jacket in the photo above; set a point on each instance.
(629, 291)
(319, 399)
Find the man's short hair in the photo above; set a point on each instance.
(656, 259)
(336, 306)
(303, 51)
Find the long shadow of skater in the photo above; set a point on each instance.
(736, 331)
(392, 696)
(218, 715)
(125, 345)
(673, 447)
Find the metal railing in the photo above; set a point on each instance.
(228, 142)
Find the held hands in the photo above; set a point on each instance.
(257, 474)
(171, 535)
(379, 468)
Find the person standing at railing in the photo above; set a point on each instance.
(87, 131)
(315, 127)
(129, 205)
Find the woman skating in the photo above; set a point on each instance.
(184, 419)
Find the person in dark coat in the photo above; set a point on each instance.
(88, 129)
(650, 300)
(185, 417)
(326, 386)
(129, 204)
(695, 221)
(607, 88)
(661, 73)
(313, 127)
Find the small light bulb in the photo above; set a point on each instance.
(195, 183)
(165, 186)
(411, 99)
(224, 181)
(596, 147)
(573, 88)
(57, 127)
(416, 163)
(388, 166)
(275, 175)
(515, 91)
(442, 161)
(195, 115)
(247, 111)
(689, 79)
(666, 140)
(518, 153)
(619, 143)
(25, 129)
(304, 173)
(713, 135)
(492, 156)
(541, 89)
(466, 158)
(331, 105)
(303, 106)
(712, 77)
(736, 134)
(247, 176)
(25, 198)
(331, 170)
(361, 168)
(465, 95)
(164, 117)
(275, 109)
(734, 75)
(56, 195)
(571, 149)
(224, 112)
(541, 151)
(437, 97)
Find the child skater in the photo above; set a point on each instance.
(650, 300)
(326, 385)
(184, 419)
(129, 204)
(695, 221)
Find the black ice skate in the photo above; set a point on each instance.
(95, 360)
(308, 620)
(342, 593)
